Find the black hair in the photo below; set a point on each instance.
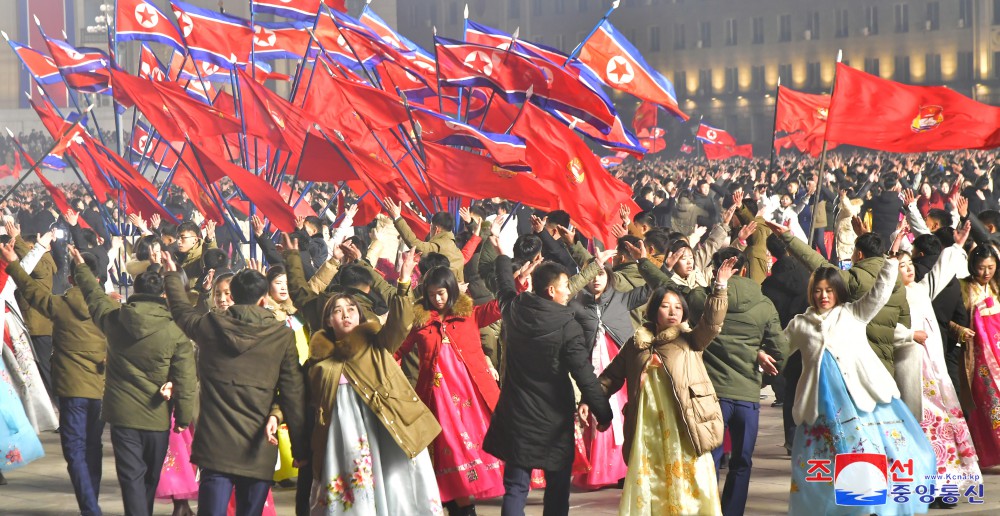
(360, 243)
(443, 220)
(726, 253)
(144, 246)
(559, 218)
(189, 226)
(432, 260)
(870, 245)
(545, 275)
(315, 222)
(832, 277)
(928, 245)
(435, 278)
(646, 190)
(656, 299)
(776, 246)
(168, 230)
(944, 218)
(332, 303)
(215, 259)
(89, 237)
(354, 276)
(248, 286)
(644, 217)
(991, 217)
(658, 241)
(91, 262)
(627, 239)
(979, 255)
(274, 271)
(150, 283)
(526, 248)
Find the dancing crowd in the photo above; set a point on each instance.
(410, 366)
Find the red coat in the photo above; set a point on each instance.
(935, 202)
(462, 326)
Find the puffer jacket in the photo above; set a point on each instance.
(612, 310)
(686, 215)
(681, 351)
(442, 243)
(860, 278)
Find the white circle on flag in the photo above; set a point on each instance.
(425, 65)
(73, 54)
(263, 37)
(619, 70)
(146, 15)
(711, 134)
(185, 23)
(209, 68)
(157, 75)
(479, 61)
(142, 142)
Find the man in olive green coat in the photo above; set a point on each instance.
(248, 364)
(150, 361)
(860, 278)
(79, 352)
(441, 238)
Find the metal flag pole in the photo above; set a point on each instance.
(774, 125)
(822, 159)
(576, 51)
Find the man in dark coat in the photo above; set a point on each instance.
(948, 305)
(885, 208)
(150, 362)
(532, 427)
(248, 363)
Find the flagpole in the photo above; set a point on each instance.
(576, 51)
(774, 125)
(527, 98)
(113, 48)
(822, 159)
(371, 76)
(437, 71)
(465, 35)
(493, 91)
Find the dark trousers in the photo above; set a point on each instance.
(80, 429)
(139, 458)
(792, 373)
(43, 357)
(216, 488)
(516, 481)
(819, 241)
(303, 487)
(741, 418)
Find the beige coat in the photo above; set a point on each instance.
(680, 350)
(845, 235)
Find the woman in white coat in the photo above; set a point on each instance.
(847, 402)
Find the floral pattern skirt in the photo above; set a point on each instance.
(462, 468)
(178, 476)
(19, 444)
(945, 427)
(665, 476)
(889, 430)
(984, 416)
(365, 472)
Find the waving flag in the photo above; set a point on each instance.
(393, 75)
(467, 64)
(711, 135)
(457, 173)
(156, 150)
(84, 68)
(803, 117)
(623, 68)
(305, 10)
(149, 66)
(280, 40)
(724, 151)
(645, 117)
(188, 79)
(216, 38)
(506, 149)
(619, 138)
(41, 66)
(391, 36)
(139, 20)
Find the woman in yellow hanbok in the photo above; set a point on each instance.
(673, 419)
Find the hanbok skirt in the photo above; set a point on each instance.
(19, 444)
(22, 368)
(604, 449)
(665, 476)
(178, 480)
(946, 429)
(365, 472)
(984, 417)
(841, 428)
(462, 468)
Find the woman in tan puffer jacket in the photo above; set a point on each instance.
(673, 419)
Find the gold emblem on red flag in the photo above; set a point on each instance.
(822, 113)
(503, 172)
(928, 119)
(575, 167)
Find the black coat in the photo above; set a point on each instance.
(885, 208)
(948, 305)
(707, 203)
(613, 309)
(532, 426)
(787, 287)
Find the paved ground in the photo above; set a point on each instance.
(43, 487)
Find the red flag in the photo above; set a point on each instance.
(149, 65)
(653, 145)
(200, 197)
(419, 226)
(710, 135)
(140, 194)
(645, 117)
(875, 113)
(303, 209)
(686, 149)
(58, 197)
(466, 64)
(785, 142)
(258, 191)
(720, 151)
(171, 111)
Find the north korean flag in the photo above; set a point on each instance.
(305, 10)
(622, 67)
(506, 149)
(709, 134)
(158, 151)
(280, 40)
(149, 66)
(84, 68)
(393, 38)
(41, 66)
(143, 21)
(213, 37)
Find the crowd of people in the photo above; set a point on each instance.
(388, 369)
(36, 143)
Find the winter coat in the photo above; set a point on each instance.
(461, 325)
(310, 304)
(839, 331)
(859, 279)
(442, 243)
(751, 324)
(365, 357)
(247, 362)
(710, 213)
(612, 310)
(627, 277)
(885, 208)
(844, 235)
(948, 305)
(788, 288)
(145, 350)
(686, 215)
(44, 273)
(680, 350)
(79, 349)
(532, 426)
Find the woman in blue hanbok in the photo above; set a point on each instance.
(847, 403)
(19, 443)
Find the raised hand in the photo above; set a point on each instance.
(45, 239)
(618, 231)
(256, 265)
(777, 229)
(258, 226)
(168, 261)
(71, 217)
(155, 220)
(351, 252)
(465, 215)
(859, 226)
(727, 215)
(747, 230)
(602, 257)
(13, 229)
(637, 253)
(7, 251)
(725, 270)
(289, 243)
(566, 234)
(962, 234)
(625, 213)
(908, 197)
(206, 284)
(538, 224)
(407, 265)
(75, 254)
(210, 230)
(393, 209)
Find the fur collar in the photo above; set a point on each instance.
(421, 316)
(644, 338)
(321, 347)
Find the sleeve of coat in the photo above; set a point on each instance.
(506, 290)
(324, 275)
(710, 323)
(34, 292)
(916, 221)
(612, 379)
(292, 400)
(774, 343)
(411, 240)
(487, 314)
(469, 249)
(717, 239)
(100, 305)
(577, 282)
(487, 262)
(269, 250)
(557, 252)
(397, 324)
(864, 309)
(298, 289)
(580, 254)
(185, 314)
(637, 297)
(185, 379)
(656, 278)
(805, 254)
(904, 307)
(578, 362)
